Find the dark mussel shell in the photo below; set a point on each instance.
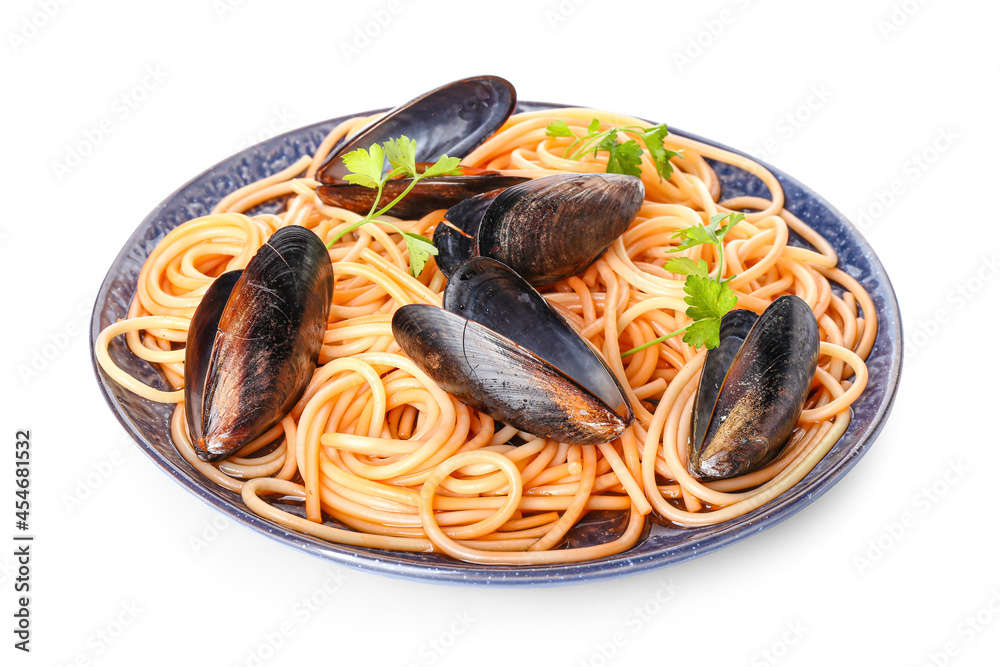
(254, 341)
(498, 346)
(546, 229)
(428, 195)
(455, 237)
(741, 422)
(451, 120)
(735, 327)
(200, 345)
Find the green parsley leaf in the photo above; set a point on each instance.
(734, 219)
(707, 298)
(609, 141)
(687, 267)
(693, 236)
(445, 166)
(559, 128)
(708, 301)
(402, 154)
(421, 249)
(624, 158)
(655, 134)
(366, 165)
(653, 138)
(713, 222)
(702, 333)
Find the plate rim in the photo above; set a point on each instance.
(621, 564)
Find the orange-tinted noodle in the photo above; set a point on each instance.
(398, 463)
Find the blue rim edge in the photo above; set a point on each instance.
(453, 572)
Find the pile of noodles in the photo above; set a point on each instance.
(378, 447)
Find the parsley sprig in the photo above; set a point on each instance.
(367, 170)
(709, 297)
(623, 158)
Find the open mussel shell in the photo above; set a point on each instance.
(428, 195)
(451, 120)
(200, 343)
(250, 359)
(455, 237)
(499, 347)
(545, 229)
(735, 327)
(741, 422)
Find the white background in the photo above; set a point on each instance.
(886, 568)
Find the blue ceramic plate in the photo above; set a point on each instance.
(660, 545)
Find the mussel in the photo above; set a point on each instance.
(499, 347)
(752, 389)
(546, 229)
(254, 342)
(453, 119)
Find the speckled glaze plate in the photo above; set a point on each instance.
(661, 545)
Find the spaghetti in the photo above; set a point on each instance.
(397, 463)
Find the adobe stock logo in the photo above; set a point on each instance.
(605, 650)
(912, 170)
(32, 24)
(970, 627)
(223, 8)
(900, 15)
(711, 30)
(281, 120)
(54, 343)
(104, 637)
(794, 120)
(370, 30)
(922, 502)
(88, 483)
(560, 13)
(963, 293)
(794, 631)
(122, 107)
(434, 648)
(270, 643)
